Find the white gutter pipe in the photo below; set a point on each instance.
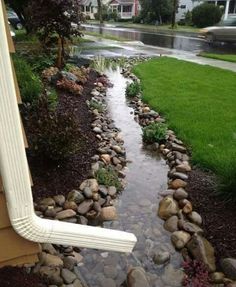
(16, 180)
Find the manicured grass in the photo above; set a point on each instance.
(151, 27)
(199, 103)
(106, 36)
(223, 57)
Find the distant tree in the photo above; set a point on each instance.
(100, 11)
(156, 10)
(60, 18)
(206, 15)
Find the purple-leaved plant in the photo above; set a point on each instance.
(196, 274)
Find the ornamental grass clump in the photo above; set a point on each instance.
(108, 177)
(196, 274)
(133, 89)
(155, 132)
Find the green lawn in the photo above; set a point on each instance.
(106, 36)
(164, 27)
(223, 57)
(199, 103)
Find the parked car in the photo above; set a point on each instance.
(225, 31)
(14, 20)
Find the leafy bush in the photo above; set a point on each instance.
(196, 274)
(52, 134)
(95, 105)
(188, 18)
(70, 86)
(108, 177)
(29, 83)
(40, 61)
(155, 132)
(206, 15)
(133, 89)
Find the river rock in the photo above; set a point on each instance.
(171, 224)
(217, 277)
(108, 213)
(186, 206)
(195, 217)
(59, 199)
(105, 282)
(50, 212)
(97, 130)
(103, 190)
(137, 278)
(48, 247)
(69, 262)
(179, 175)
(180, 193)
(91, 183)
(117, 149)
(77, 283)
(177, 147)
(172, 277)
(161, 257)
(110, 271)
(167, 207)
(202, 250)
(184, 167)
(85, 206)
(177, 183)
(67, 276)
(75, 196)
(229, 267)
(106, 158)
(180, 239)
(65, 214)
(51, 260)
(52, 274)
(70, 205)
(112, 191)
(88, 192)
(47, 202)
(189, 227)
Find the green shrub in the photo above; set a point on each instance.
(52, 99)
(52, 133)
(155, 132)
(95, 105)
(29, 83)
(108, 177)
(133, 89)
(206, 15)
(40, 62)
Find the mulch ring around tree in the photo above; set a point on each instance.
(219, 217)
(50, 179)
(18, 277)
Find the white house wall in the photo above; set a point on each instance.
(187, 5)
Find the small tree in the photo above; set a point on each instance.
(206, 15)
(56, 17)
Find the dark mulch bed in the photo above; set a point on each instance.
(219, 217)
(49, 178)
(17, 277)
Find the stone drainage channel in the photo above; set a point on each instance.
(137, 207)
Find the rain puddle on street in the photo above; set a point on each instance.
(137, 208)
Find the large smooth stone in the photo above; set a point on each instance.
(108, 213)
(85, 206)
(178, 183)
(91, 183)
(51, 260)
(161, 257)
(190, 227)
(180, 239)
(195, 217)
(171, 224)
(167, 207)
(137, 278)
(52, 274)
(47, 202)
(75, 196)
(67, 276)
(68, 213)
(202, 250)
(229, 267)
(180, 194)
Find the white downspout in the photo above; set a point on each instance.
(226, 9)
(16, 181)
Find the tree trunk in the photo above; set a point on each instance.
(100, 11)
(59, 53)
(173, 14)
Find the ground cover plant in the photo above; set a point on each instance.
(155, 132)
(222, 57)
(133, 89)
(108, 177)
(199, 104)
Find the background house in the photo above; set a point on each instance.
(126, 9)
(89, 8)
